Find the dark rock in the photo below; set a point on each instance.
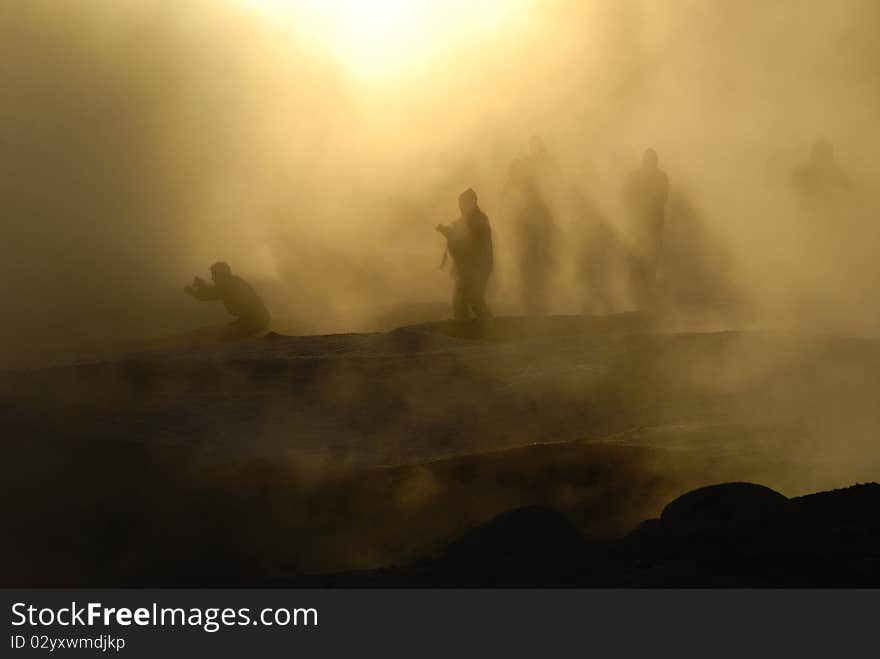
(724, 504)
(524, 542)
(729, 535)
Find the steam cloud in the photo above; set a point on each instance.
(142, 140)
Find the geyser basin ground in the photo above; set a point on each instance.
(238, 463)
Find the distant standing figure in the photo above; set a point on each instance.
(239, 298)
(529, 189)
(644, 195)
(598, 254)
(819, 179)
(469, 243)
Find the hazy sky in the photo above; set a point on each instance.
(314, 146)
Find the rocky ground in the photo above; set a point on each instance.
(725, 535)
(264, 461)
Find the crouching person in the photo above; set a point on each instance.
(239, 298)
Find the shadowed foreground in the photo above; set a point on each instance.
(271, 459)
(728, 535)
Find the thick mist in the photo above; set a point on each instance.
(141, 140)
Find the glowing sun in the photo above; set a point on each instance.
(374, 38)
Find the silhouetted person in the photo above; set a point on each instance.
(599, 255)
(531, 182)
(819, 179)
(644, 195)
(239, 298)
(469, 243)
(541, 165)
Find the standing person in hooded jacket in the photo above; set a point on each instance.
(644, 195)
(469, 243)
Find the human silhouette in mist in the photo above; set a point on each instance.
(239, 298)
(599, 254)
(819, 179)
(644, 196)
(469, 243)
(531, 180)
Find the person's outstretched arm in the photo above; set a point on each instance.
(202, 291)
(444, 229)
